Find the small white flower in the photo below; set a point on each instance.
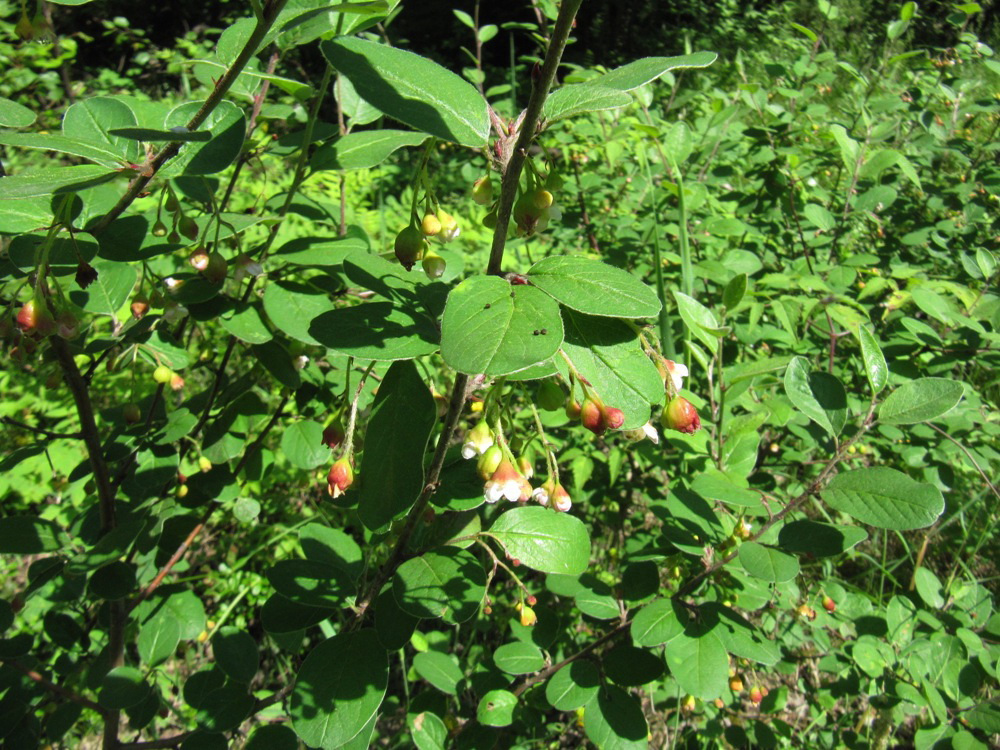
(541, 495)
(651, 433)
(563, 503)
(677, 373)
(301, 362)
(469, 451)
(172, 283)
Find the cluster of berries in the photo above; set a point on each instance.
(506, 477)
(412, 242)
(533, 209)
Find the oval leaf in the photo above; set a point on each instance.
(544, 539)
(338, 689)
(492, 327)
(921, 401)
(449, 584)
(613, 720)
(392, 468)
(820, 396)
(594, 288)
(579, 98)
(519, 658)
(496, 709)
(363, 150)
(647, 69)
(884, 498)
(573, 686)
(412, 89)
(768, 564)
(699, 663)
(699, 320)
(876, 369)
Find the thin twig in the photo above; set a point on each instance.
(46, 683)
(39, 430)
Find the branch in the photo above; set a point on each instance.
(39, 430)
(549, 671)
(264, 23)
(57, 689)
(526, 132)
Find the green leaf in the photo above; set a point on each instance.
(496, 708)
(412, 89)
(698, 661)
(61, 144)
(607, 353)
(734, 292)
(158, 640)
(819, 539)
(376, 330)
(90, 120)
(331, 547)
(921, 400)
(228, 126)
(544, 539)
(302, 443)
(121, 688)
(699, 320)
(235, 653)
(678, 145)
(739, 637)
(595, 288)
(363, 150)
(272, 737)
(573, 686)
(428, 731)
(492, 327)
(245, 321)
(875, 367)
(14, 115)
(44, 182)
(24, 535)
(768, 564)
(596, 598)
(630, 666)
(613, 720)
(579, 98)
(392, 471)
(713, 485)
(173, 602)
(178, 135)
(449, 584)
(310, 583)
(519, 658)
(657, 623)
(820, 396)
(111, 289)
(884, 498)
(338, 689)
(439, 669)
(929, 587)
(647, 69)
(293, 307)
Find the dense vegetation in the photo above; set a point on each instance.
(371, 380)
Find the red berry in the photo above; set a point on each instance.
(680, 415)
(756, 695)
(613, 418)
(829, 605)
(592, 417)
(131, 413)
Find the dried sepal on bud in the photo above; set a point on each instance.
(341, 477)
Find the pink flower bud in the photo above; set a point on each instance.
(613, 418)
(592, 417)
(680, 415)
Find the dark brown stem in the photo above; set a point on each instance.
(528, 127)
(271, 11)
(46, 683)
(549, 671)
(39, 430)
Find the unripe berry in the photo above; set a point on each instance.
(541, 199)
(449, 226)
(139, 307)
(181, 491)
(433, 265)
(204, 464)
(482, 191)
(171, 203)
(680, 415)
(176, 382)
(613, 418)
(409, 246)
(131, 413)
(35, 318)
(572, 408)
(489, 462)
(159, 229)
(24, 28)
(490, 220)
(528, 617)
(756, 696)
(431, 225)
(532, 600)
(162, 374)
(333, 435)
(829, 605)
(217, 268)
(341, 477)
(592, 417)
(188, 227)
(736, 684)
